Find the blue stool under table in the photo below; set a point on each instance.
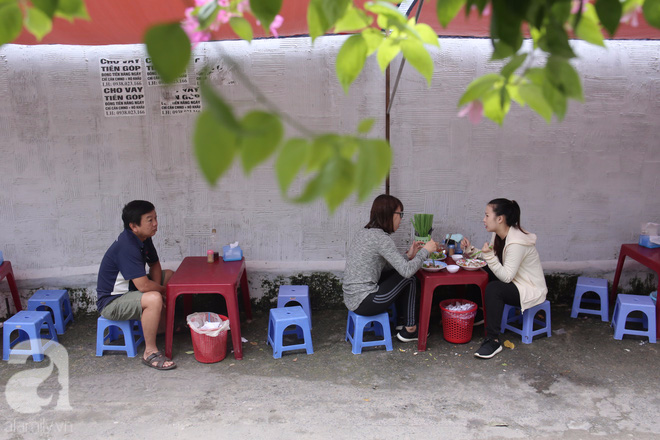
(57, 301)
(626, 304)
(279, 320)
(358, 324)
(28, 324)
(131, 330)
(512, 315)
(297, 295)
(597, 286)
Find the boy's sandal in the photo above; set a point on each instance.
(160, 360)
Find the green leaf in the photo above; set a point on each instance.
(221, 111)
(513, 65)
(48, 7)
(373, 38)
(322, 150)
(373, 164)
(387, 11)
(290, 161)
(427, 34)
(589, 30)
(609, 13)
(478, 88)
(365, 125)
(651, 9)
(265, 10)
(564, 78)
(11, 22)
(505, 24)
(387, 50)
(263, 132)
(169, 49)
(340, 182)
(353, 20)
(447, 10)
(38, 23)
(241, 27)
(557, 41)
(496, 105)
(532, 95)
(207, 13)
(70, 9)
(418, 57)
(556, 100)
(215, 146)
(323, 14)
(350, 60)
(501, 50)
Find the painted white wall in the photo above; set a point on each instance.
(66, 171)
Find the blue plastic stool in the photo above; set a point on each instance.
(625, 304)
(279, 320)
(358, 324)
(598, 286)
(29, 325)
(131, 330)
(298, 295)
(511, 315)
(58, 303)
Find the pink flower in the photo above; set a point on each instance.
(576, 6)
(632, 17)
(222, 18)
(223, 3)
(275, 25)
(474, 111)
(243, 6)
(190, 25)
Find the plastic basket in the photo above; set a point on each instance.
(210, 349)
(457, 325)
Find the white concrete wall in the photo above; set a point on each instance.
(66, 169)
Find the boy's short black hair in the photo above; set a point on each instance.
(133, 212)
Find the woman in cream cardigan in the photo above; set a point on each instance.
(514, 269)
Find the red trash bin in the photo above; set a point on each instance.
(457, 324)
(208, 349)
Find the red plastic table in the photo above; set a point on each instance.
(431, 280)
(196, 275)
(6, 271)
(649, 258)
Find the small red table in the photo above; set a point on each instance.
(196, 275)
(6, 271)
(431, 280)
(649, 258)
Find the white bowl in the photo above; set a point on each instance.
(457, 257)
(453, 268)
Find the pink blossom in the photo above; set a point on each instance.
(486, 11)
(222, 18)
(576, 6)
(190, 25)
(201, 2)
(632, 17)
(243, 6)
(275, 25)
(474, 111)
(223, 3)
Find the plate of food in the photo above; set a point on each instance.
(437, 255)
(433, 265)
(471, 263)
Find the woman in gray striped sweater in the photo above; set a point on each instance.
(377, 274)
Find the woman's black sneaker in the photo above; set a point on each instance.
(405, 336)
(488, 349)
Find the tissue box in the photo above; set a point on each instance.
(645, 240)
(232, 254)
